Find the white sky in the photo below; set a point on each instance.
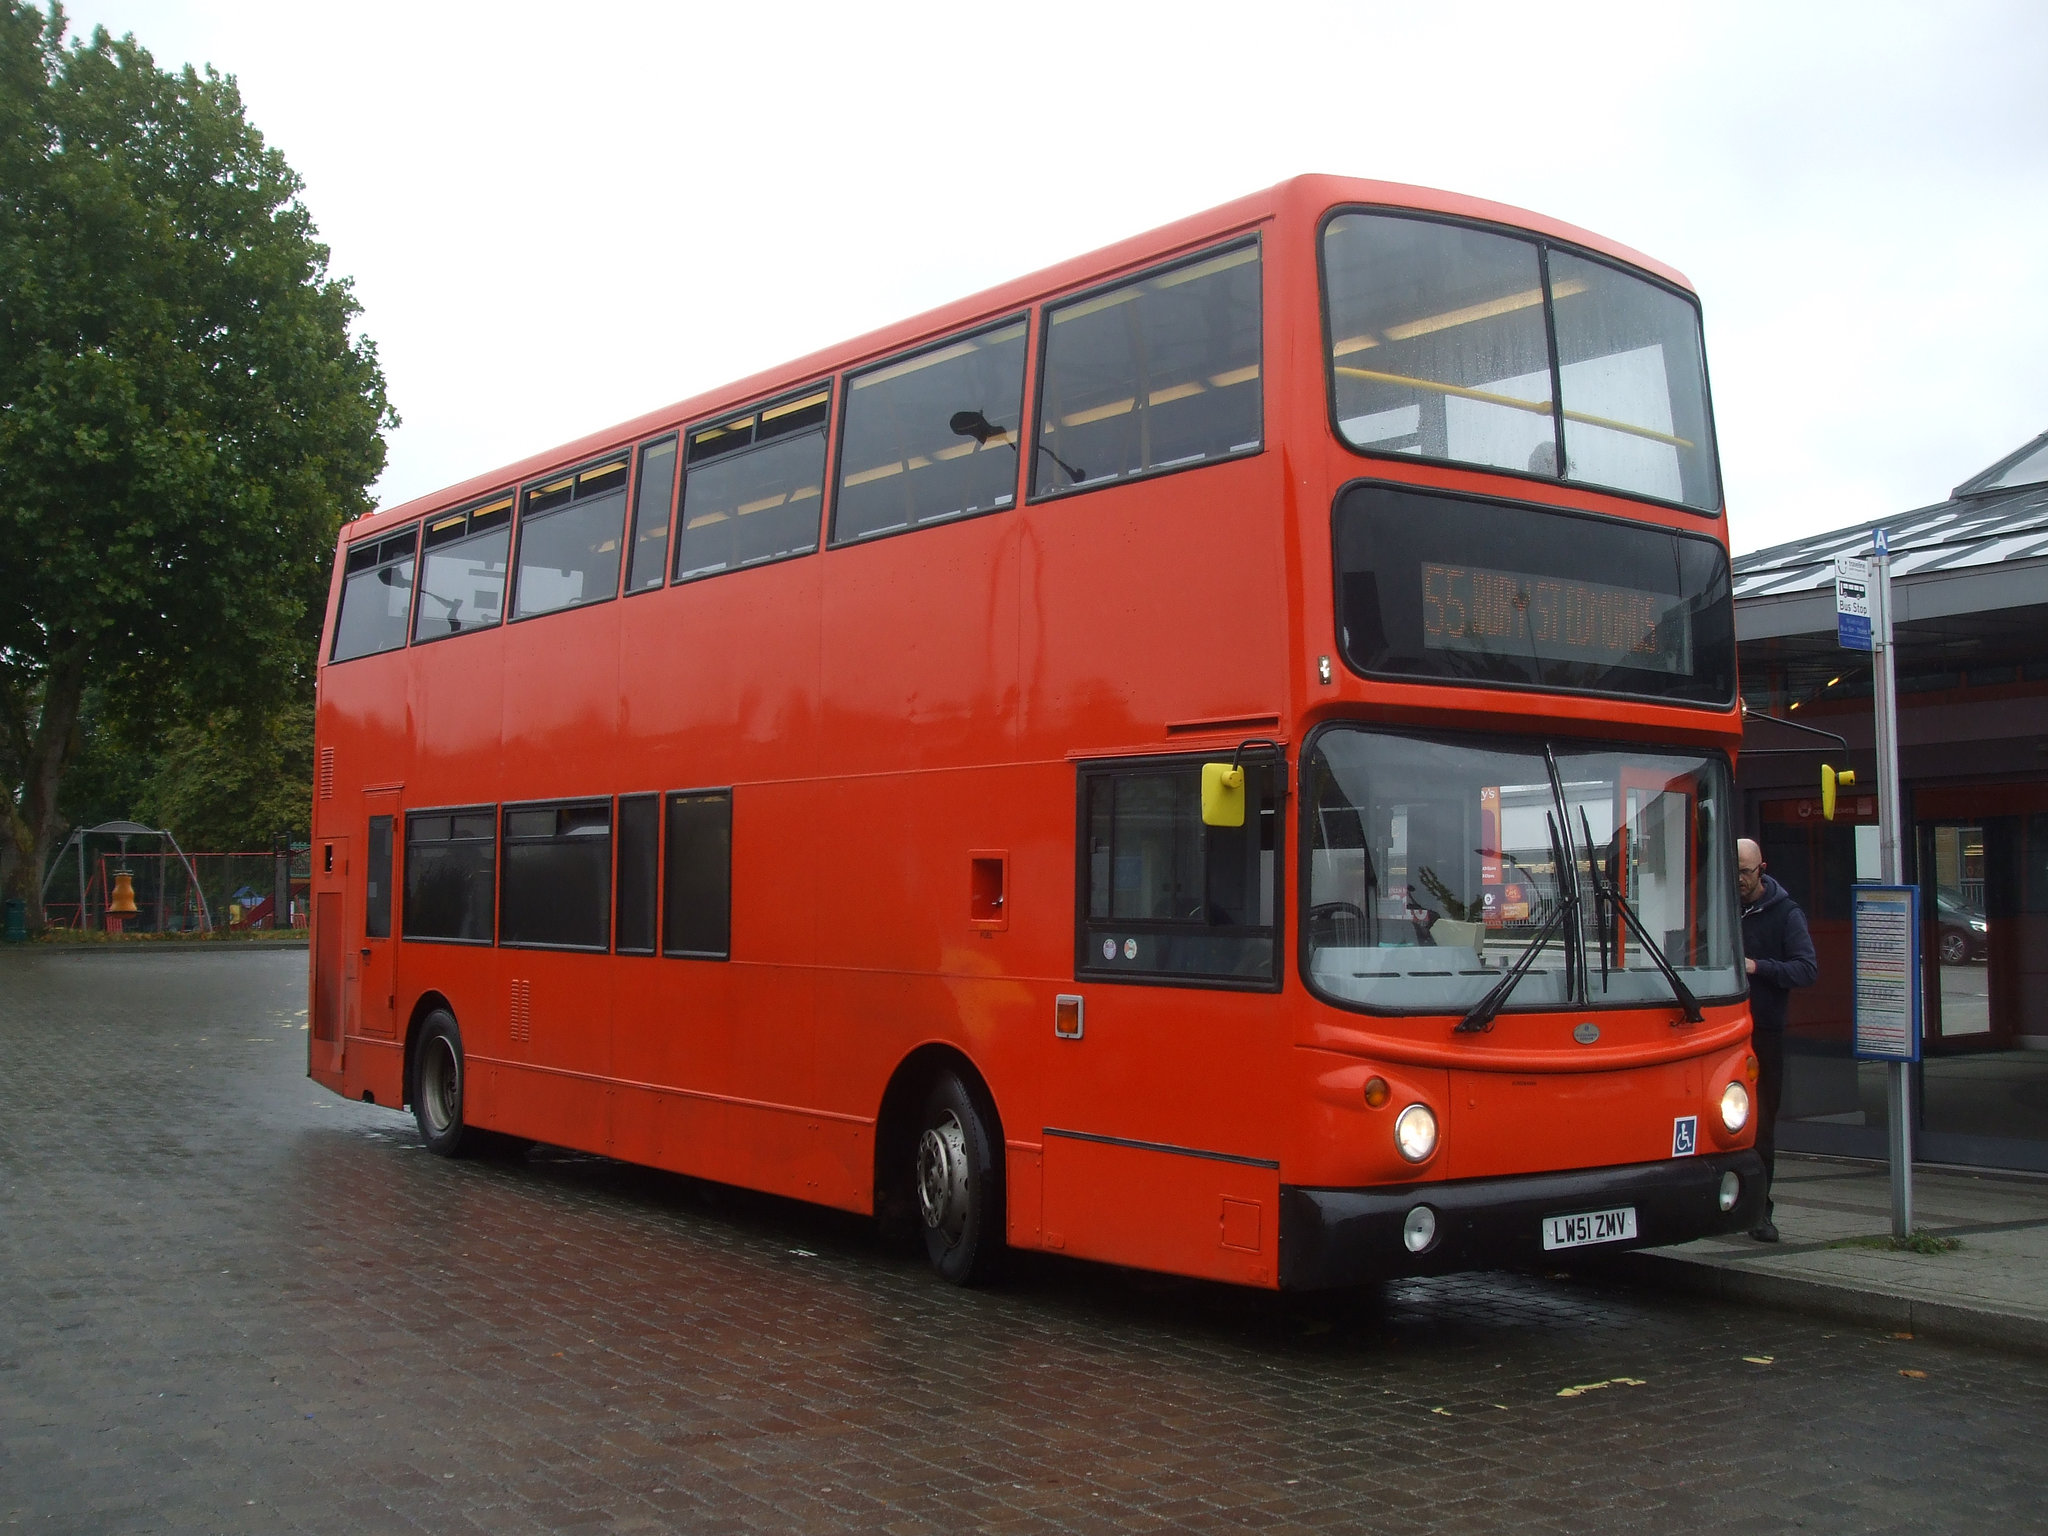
(559, 216)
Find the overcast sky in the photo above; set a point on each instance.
(558, 216)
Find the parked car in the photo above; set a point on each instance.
(1962, 933)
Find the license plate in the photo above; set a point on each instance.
(1616, 1226)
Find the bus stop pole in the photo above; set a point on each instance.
(1891, 867)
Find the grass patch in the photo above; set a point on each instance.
(1916, 1242)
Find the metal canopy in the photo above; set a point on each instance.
(1980, 527)
(1982, 550)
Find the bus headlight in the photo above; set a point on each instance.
(1735, 1106)
(1415, 1133)
(1419, 1230)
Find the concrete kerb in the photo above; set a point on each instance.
(1884, 1310)
(151, 946)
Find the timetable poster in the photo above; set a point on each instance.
(1886, 950)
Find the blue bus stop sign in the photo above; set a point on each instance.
(1852, 603)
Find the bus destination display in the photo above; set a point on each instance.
(1512, 613)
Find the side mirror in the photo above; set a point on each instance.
(1222, 795)
(1829, 779)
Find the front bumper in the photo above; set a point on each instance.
(1331, 1237)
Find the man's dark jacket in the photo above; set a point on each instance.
(1774, 936)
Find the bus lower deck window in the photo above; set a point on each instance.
(451, 860)
(696, 917)
(638, 872)
(1166, 895)
(557, 881)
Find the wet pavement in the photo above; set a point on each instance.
(232, 1302)
(1836, 1256)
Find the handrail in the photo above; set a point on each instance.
(1534, 407)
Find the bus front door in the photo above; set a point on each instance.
(374, 978)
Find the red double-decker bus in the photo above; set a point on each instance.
(1214, 757)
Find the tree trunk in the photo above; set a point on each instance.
(33, 824)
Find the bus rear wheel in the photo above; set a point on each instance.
(437, 1084)
(959, 1181)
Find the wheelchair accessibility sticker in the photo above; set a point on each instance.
(1685, 1135)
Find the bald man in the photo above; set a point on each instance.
(1778, 954)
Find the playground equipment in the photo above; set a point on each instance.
(118, 896)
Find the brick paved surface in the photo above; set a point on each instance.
(1836, 1218)
(232, 1302)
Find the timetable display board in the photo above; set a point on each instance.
(1886, 954)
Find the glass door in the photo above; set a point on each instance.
(1984, 935)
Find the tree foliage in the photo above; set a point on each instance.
(232, 780)
(185, 419)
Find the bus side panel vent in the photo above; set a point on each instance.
(522, 1011)
(327, 773)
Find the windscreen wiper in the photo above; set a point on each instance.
(1563, 873)
(1482, 1013)
(1599, 895)
(1606, 895)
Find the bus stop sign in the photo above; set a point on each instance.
(1852, 603)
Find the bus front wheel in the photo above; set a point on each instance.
(959, 1185)
(437, 1084)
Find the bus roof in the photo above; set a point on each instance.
(1304, 195)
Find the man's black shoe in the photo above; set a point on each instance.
(1765, 1231)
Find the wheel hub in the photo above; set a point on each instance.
(942, 1177)
(443, 1087)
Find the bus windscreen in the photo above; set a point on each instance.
(1436, 863)
(1436, 587)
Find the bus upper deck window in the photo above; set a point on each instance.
(462, 580)
(931, 436)
(1437, 342)
(752, 487)
(653, 500)
(376, 595)
(1440, 346)
(1635, 385)
(1157, 374)
(569, 534)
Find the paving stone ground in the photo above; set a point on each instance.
(232, 1302)
(1835, 1217)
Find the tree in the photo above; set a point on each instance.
(185, 419)
(232, 781)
